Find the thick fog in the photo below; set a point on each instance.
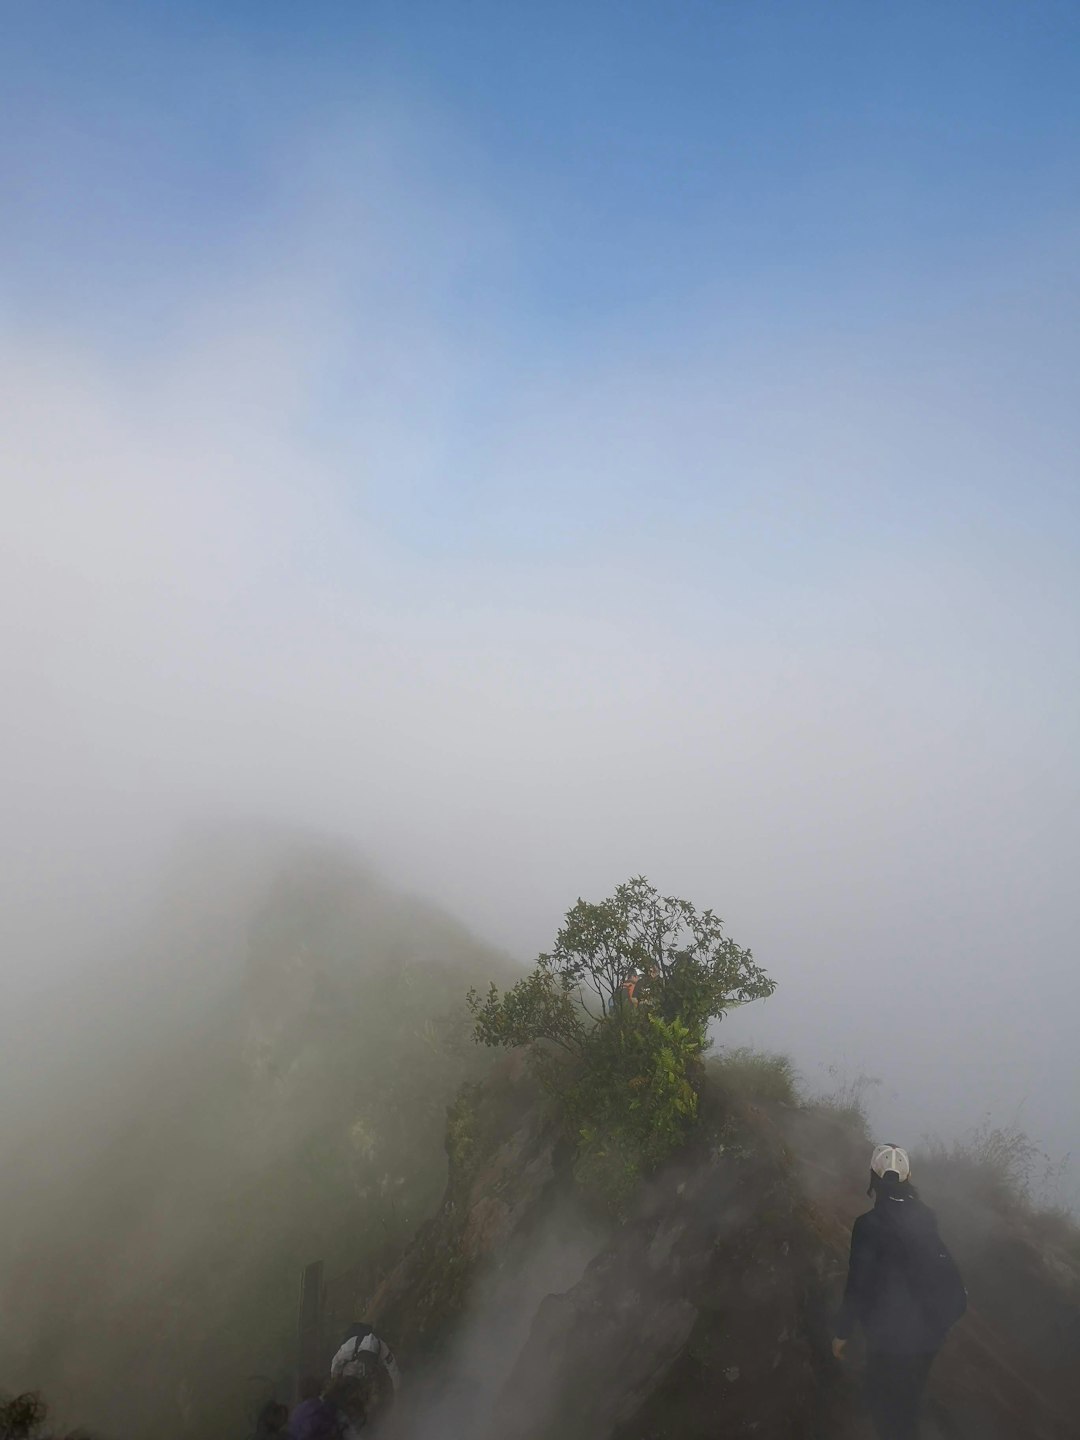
(777, 610)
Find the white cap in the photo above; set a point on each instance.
(890, 1157)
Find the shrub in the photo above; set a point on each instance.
(632, 1101)
(999, 1164)
(758, 1075)
(541, 1006)
(847, 1102)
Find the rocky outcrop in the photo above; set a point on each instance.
(708, 1312)
(503, 1146)
(694, 1310)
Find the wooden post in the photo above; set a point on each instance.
(309, 1349)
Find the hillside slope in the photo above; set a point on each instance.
(271, 1087)
(708, 1312)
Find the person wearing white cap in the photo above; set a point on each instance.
(905, 1291)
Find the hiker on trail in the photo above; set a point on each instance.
(364, 1377)
(344, 1409)
(905, 1291)
(625, 993)
(636, 981)
(359, 1348)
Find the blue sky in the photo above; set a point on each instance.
(546, 443)
(558, 183)
(854, 156)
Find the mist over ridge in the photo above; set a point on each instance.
(450, 465)
(835, 700)
(264, 1081)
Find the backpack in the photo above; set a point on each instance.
(358, 1387)
(932, 1273)
(364, 1363)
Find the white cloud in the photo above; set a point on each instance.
(737, 621)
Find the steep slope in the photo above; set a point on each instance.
(156, 1220)
(708, 1312)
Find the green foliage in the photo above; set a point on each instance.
(541, 1006)
(757, 1075)
(632, 1101)
(461, 1133)
(630, 1097)
(688, 970)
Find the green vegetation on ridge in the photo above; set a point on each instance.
(627, 994)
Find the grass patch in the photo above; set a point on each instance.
(846, 1102)
(996, 1163)
(1056, 1228)
(757, 1075)
(1001, 1166)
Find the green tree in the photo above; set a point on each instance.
(543, 1005)
(630, 1092)
(688, 970)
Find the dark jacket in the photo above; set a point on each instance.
(879, 1294)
